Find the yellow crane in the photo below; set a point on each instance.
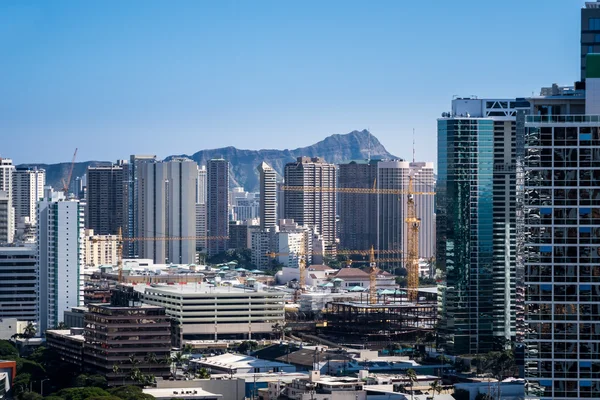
(372, 277)
(412, 222)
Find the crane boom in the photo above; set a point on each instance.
(67, 183)
(352, 190)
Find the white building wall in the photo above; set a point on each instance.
(7, 224)
(28, 188)
(60, 257)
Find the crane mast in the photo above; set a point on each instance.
(372, 277)
(412, 244)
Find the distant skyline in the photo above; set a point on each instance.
(116, 78)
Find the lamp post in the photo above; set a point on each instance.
(42, 386)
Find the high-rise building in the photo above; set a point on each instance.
(131, 203)
(312, 200)
(479, 153)
(19, 283)
(7, 212)
(60, 256)
(99, 249)
(28, 188)
(268, 196)
(243, 205)
(217, 205)
(423, 181)
(590, 31)
(201, 186)
(6, 218)
(201, 209)
(562, 242)
(166, 208)
(391, 175)
(105, 194)
(358, 211)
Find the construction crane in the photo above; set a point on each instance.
(412, 222)
(372, 277)
(302, 259)
(67, 183)
(412, 243)
(120, 239)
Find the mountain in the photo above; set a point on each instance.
(336, 149)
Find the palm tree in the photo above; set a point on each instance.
(188, 348)
(61, 325)
(29, 330)
(151, 358)
(436, 387)
(411, 375)
(203, 373)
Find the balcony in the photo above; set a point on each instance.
(553, 119)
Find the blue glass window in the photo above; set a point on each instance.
(585, 136)
(597, 38)
(585, 364)
(594, 24)
(590, 49)
(546, 211)
(585, 229)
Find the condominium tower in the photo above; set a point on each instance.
(358, 211)
(310, 199)
(268, 196)
(105, 194)
(7, 212)
(562, 226)
(217, 222)
(479, 151)
(166, 208)
(60, 256)
(28, 188)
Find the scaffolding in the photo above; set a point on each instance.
(379, 322)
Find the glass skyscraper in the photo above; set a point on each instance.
(479, 153)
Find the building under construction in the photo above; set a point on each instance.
(383, 321)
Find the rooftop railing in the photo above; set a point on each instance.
(552, 119)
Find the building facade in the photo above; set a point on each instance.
(105, 193)
(132, 203)
(268, 196)
(60, 256)
(562, 226)
(19, 284)
(479, 153)
(7, 212)
(99, 249)
(358, 211)
(208, 312)
(310, 198)
(166, 208)
(590, 32)
(28, 188)
(217, 222)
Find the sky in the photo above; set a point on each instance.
(115, 78)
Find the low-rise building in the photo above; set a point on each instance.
(205, 311)
(68, 343)
(357, 277)
(8, 373)
(240, 364)
(99, 249)
(182, 393)
(74, 318)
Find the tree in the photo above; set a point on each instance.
(61, 325)
(8, 351)
(188, 349)
(436, 387)
(247, 345)
(29, 331)
(82, 393)
(129, 393)
(411, 375)
(203, 374)
(30, 396)
(279, 329)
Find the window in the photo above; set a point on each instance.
(590, 49)
(594, 24)
(597, 38)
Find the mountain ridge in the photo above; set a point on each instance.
(336, 149)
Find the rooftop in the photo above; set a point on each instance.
(181, 393)
(66, 333)
(235, 361)
(203, 288)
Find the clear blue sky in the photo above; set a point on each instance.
(118, 77)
